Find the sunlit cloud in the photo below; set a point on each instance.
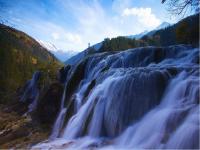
(95, 23)
(144, 16)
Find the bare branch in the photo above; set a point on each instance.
(180, 7)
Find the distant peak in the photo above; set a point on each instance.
(49, 46)
(163, 25)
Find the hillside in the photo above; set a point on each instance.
(140, 35)
(76, 58)
(61, 55)
(184, 32)
(20, 56)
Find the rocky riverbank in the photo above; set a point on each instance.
(18, 131)
(21, 125)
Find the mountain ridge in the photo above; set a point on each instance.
(60, 54)
(167, 35)
(20, 56)
(163, 25)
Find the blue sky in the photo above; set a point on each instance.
(72, 24)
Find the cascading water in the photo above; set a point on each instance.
(60, 119)
(179, 110)
(139, 98)
(31, 93)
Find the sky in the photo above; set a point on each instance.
(72, 24)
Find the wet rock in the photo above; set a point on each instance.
(76, 77)
(62, 73)
(30, 90)
(48, 105)
(90, 87)
(16, 133)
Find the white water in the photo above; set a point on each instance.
(31, 93)
(134, 104)
(163, 126)
(60, 118)
(76, 124)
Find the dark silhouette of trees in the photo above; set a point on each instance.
(178, 7)
(187, 31)
(121, 43)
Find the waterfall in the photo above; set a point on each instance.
(163, 127)
(140, 98)
(31, 91)
(60, 119)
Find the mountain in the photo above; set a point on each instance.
(62, 55)
(186, 31)
(48, 45)
(76, 58)
(183, 32)
(163, 26)
(137, 36)
(140, 35)
(20, 56)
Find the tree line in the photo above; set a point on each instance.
(184, 32)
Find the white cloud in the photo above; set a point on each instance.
(55, 35)
(144, 16)
(75, 38)
(119, 5)
(90, 23)
(94, 22)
